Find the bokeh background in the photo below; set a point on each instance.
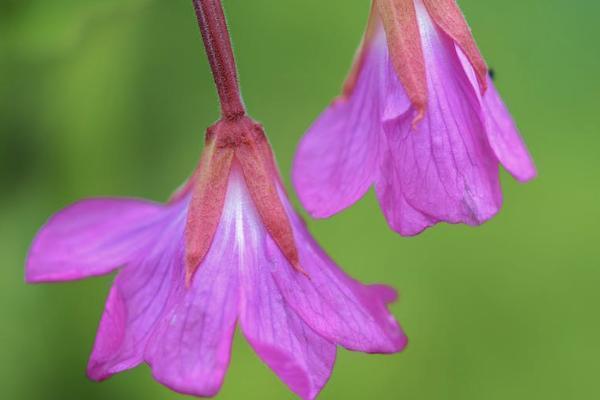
(111, 98)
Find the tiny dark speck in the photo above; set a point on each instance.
(492, 73)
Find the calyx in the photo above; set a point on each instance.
(242, 141)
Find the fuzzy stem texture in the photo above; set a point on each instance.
(217, 43)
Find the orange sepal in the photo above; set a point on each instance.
(401, 27)
(206, 205)
(243, 141)
(257, 165)
(447, 15)
(361, 53)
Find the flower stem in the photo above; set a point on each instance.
(217, 44)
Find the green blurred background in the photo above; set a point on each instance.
(112, 97)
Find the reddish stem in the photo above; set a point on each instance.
(217, 43)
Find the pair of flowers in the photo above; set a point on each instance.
(419, 118)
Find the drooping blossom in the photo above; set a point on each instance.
(420, 119)
(293, 320)
(227, 250)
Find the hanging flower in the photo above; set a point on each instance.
(420, 119)
(176, 307)
(227, 249)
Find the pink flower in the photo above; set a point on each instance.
(227, 249)
(420, 119)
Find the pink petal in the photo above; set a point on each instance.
(91, 237)
(109, 338)
(337, 158)
(190, 347)
(337, 307)
(444, 170)
(183, 333)
(137, 300)
(401, 216)
(299, 356)
(502, 133)
(504, 137)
